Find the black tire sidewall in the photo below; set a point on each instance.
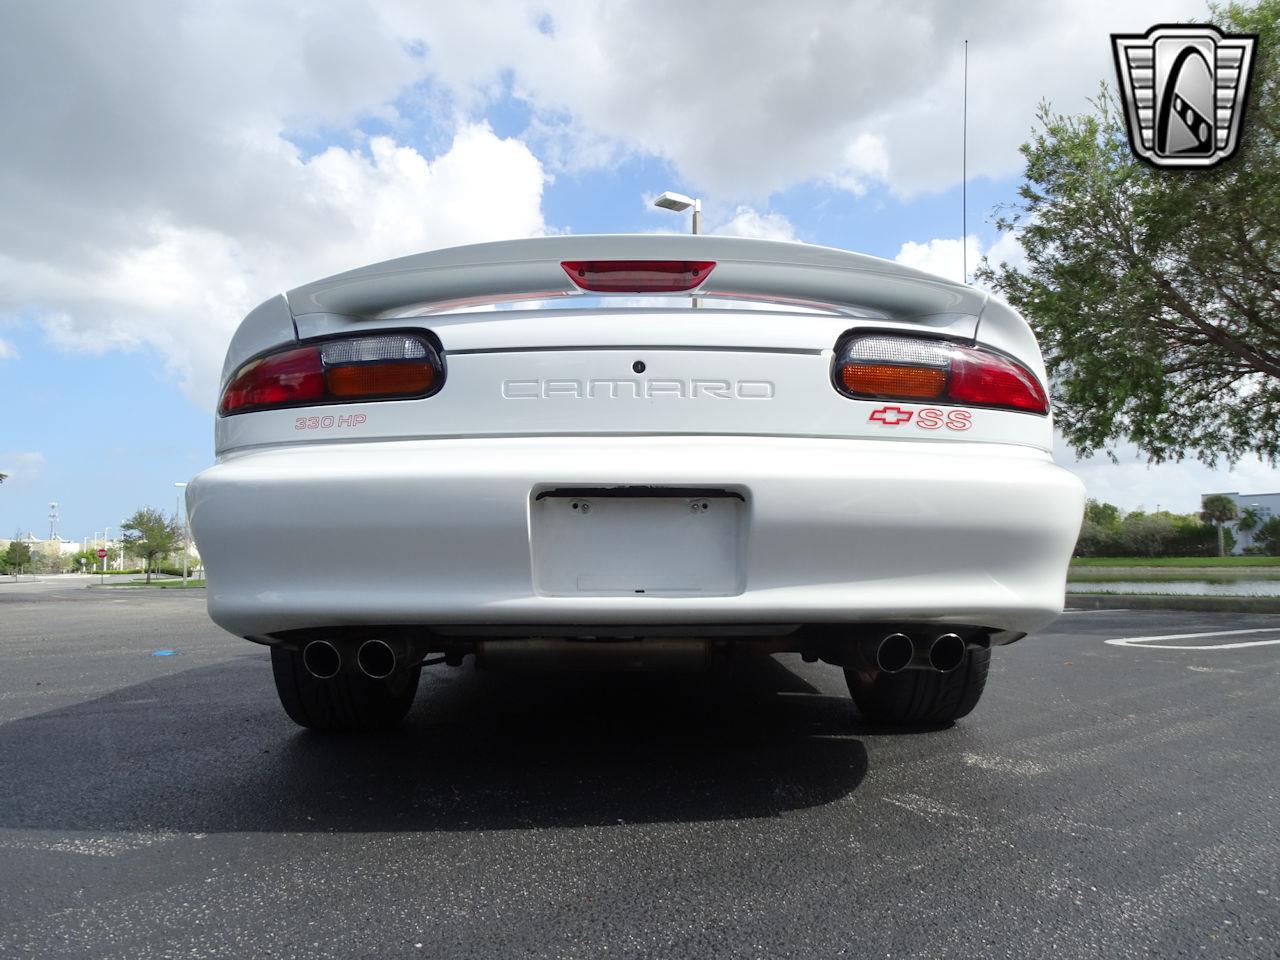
(346, 702)
(921, 696)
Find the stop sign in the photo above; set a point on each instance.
(102, 553)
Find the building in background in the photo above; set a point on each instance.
(1266, 505)
(58, 546)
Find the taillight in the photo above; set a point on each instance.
(887, 367)
(637, 276)
(383, 367)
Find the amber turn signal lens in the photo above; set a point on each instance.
(884, 379)
(379, 379)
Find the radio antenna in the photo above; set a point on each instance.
(964, 170)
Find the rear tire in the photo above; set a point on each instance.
(920, 696)
(348, 702)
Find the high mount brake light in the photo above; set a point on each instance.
(637, 276)
(382, 367)
(887, 367)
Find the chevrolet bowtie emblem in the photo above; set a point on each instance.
(1184, 89)
(891, 416)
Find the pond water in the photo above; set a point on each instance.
(1233, 588)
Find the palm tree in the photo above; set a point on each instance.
(3, 477)
(1218, 508)
(1250, 520)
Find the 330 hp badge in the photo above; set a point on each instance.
(1184, 89)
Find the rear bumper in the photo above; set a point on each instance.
(437, 532)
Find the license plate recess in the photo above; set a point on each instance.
(638, 541)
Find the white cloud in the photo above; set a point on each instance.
(746, 99)
(185, 290)
(8, 351)
(941, 257)
(748, 222)
(1007, 250)
(865, 159)
(158, 195)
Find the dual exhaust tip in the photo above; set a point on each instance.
(374, 658)
(893, 653)
(897, 652)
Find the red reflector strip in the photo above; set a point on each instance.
(637, 276)
(292, 377)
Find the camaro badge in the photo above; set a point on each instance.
(1184, 89)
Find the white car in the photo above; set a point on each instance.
(633, 451)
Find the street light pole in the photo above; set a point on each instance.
(679, 203)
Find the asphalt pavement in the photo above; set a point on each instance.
(1104, 800)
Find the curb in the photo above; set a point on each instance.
(1118, 601)
(176, 585)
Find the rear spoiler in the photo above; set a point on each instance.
(766, 270)
(744, 268)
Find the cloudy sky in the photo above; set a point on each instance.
(169, 165)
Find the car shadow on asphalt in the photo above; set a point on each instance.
(209, 750)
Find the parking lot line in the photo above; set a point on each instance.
(1150, 644)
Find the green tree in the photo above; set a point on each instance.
(1145, 535)
(1156, 293)
(1268, 536)
(90, 557)
(17, 556)
(1218, 509)
(150, 534)
(1106, 515)
(1250, 520)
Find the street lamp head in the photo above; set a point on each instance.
(674, 201)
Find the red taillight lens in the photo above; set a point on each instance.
(888, 367)
(383, 367)
(280, 380)
(983, 379)
(637, 276)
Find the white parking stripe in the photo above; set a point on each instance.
(1149, 644)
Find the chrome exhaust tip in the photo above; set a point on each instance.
(894, 653)
(321, 659)
(946, 653)
(376, 659)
